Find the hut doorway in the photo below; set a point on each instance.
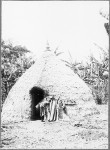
(37, 95)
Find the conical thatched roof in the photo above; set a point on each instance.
(50, 74)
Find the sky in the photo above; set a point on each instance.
(72, 26)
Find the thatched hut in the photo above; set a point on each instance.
(48, 74)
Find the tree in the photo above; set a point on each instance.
(106, 16)
(13, 64)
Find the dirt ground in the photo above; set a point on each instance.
(88, 133)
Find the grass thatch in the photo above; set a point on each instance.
(50, 74)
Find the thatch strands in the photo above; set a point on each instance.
(52, 75)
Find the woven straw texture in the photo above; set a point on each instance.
(52, 75)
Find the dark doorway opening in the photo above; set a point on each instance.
(37, 95)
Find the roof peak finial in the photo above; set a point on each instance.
(48, 47)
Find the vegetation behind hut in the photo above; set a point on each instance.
(95, 73)
(14, 63)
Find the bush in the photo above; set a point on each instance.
(13, 64)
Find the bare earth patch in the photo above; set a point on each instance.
(88, 133)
